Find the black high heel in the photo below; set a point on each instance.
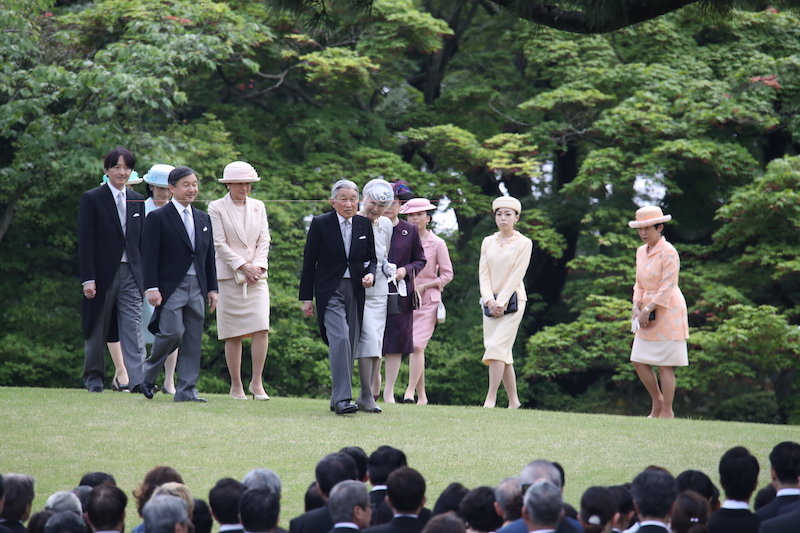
(115, 385)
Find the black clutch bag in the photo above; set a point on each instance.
(393, 303)
(510, 308)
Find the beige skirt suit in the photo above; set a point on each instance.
(501, 271)
(241, 235)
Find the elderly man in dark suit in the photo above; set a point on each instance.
(110, 222)
(349, 507)
(180, 275)
(338, 264)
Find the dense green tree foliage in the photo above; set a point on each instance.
(464, 103)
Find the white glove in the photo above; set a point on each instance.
(389, 269)
(401, 288)
(634, 325)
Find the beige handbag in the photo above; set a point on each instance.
(241, 279)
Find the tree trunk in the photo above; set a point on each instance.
(10, 206)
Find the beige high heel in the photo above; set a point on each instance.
(263, 397)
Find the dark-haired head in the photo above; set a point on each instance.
(359, 457)
(690, 513)
(201, 517)
(598, 508)
(178, 173)
(154, 478)
(383, 462)
(738, 474)
(450, 498)
(313, 499)
(259, 510)
(332, 469)
(784, 459)
(654, 491)
(445, 523)
(224, 500)
(112, 158)
(92, 479)
(478, 511)
(405, 491)
(105, 507)
(696, 481)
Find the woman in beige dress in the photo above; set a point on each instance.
(659, 316)
(505, 257)
(241, 240)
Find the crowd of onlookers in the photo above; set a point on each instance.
(379, 493)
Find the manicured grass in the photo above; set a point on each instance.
(57, 435)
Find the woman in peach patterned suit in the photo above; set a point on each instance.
(660, 341)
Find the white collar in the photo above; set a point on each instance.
(342, 219)
(228, 527)
(658, 523)
(379, 487)
(734, 504)
(350, 525)
(179, 206)
(115, 191)
(788, 492)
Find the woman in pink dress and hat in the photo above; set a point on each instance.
(241, 240)
(659, 316)
(430, 282)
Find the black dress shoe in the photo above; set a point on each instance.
(95, 389)
(198, 399)
(146, 388)
(345, 407)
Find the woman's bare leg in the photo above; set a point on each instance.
(233, 356)
(120, 372)
(510, 383)
(169, 372)
(258, 352)
(650, 383)
(392, 370)
(496, 371)
(666, 375)
(416, 375)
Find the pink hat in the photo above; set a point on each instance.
(649, 216)
(239, 172)
(417, 205)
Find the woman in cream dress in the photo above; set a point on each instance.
(505, 257)
(241, 240)
(430, 282)
(378, 195)
(660, 342)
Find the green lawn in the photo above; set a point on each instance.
(58, 435)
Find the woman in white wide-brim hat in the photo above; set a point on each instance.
(505, 257)
(659, 316)
(241, 240)
(430, 282)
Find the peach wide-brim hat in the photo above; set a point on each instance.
(649, 216)
(417, 205)
(239, 172)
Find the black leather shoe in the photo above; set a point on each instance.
(200, 400)
(145, 388)
(345, 407)
(95, 389)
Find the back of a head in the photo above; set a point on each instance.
(654, 492)
(344, 496)
(64, 501)
(105, 507)
(477, 510)
(224, 499)
(696, 481)
(405, 490)
(764, 496)
(181, 491)
(93, 479)
(332, 469)
(19, 492)
(543, 504)
(509, 497)
(359, 457)
(450, 499)
(82, 492)
(201, 518)
(152, 479)
(313, 499)
(38, 520)
(65, 522)
(262, 478)
(690, 513)
(445, 523)
(540, 469)
(738, 473)
(785, 461)
(383, 462)
(162, 513)
(259, 509)
(598, 507)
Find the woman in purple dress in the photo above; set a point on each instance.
(406, 252)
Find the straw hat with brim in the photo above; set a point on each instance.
(417, 205)
(158, 175)
(507, 201)
(649, 216)
(239, 172)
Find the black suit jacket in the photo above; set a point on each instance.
(15, 526)
(652, 529)
(101, 244)
(773, 508)
(325, 262)
(785, 523)
(398, 524)
(315, 521)
(168, 254)
(733, 521)
(343, 530)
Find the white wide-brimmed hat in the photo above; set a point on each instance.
(649, 216)
(239, 172)
(507, 201)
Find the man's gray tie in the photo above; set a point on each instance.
(121, 210)
(346, 235)
(187, 221)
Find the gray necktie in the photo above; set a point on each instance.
(346, 235)
(121, 209)
(187, 221)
